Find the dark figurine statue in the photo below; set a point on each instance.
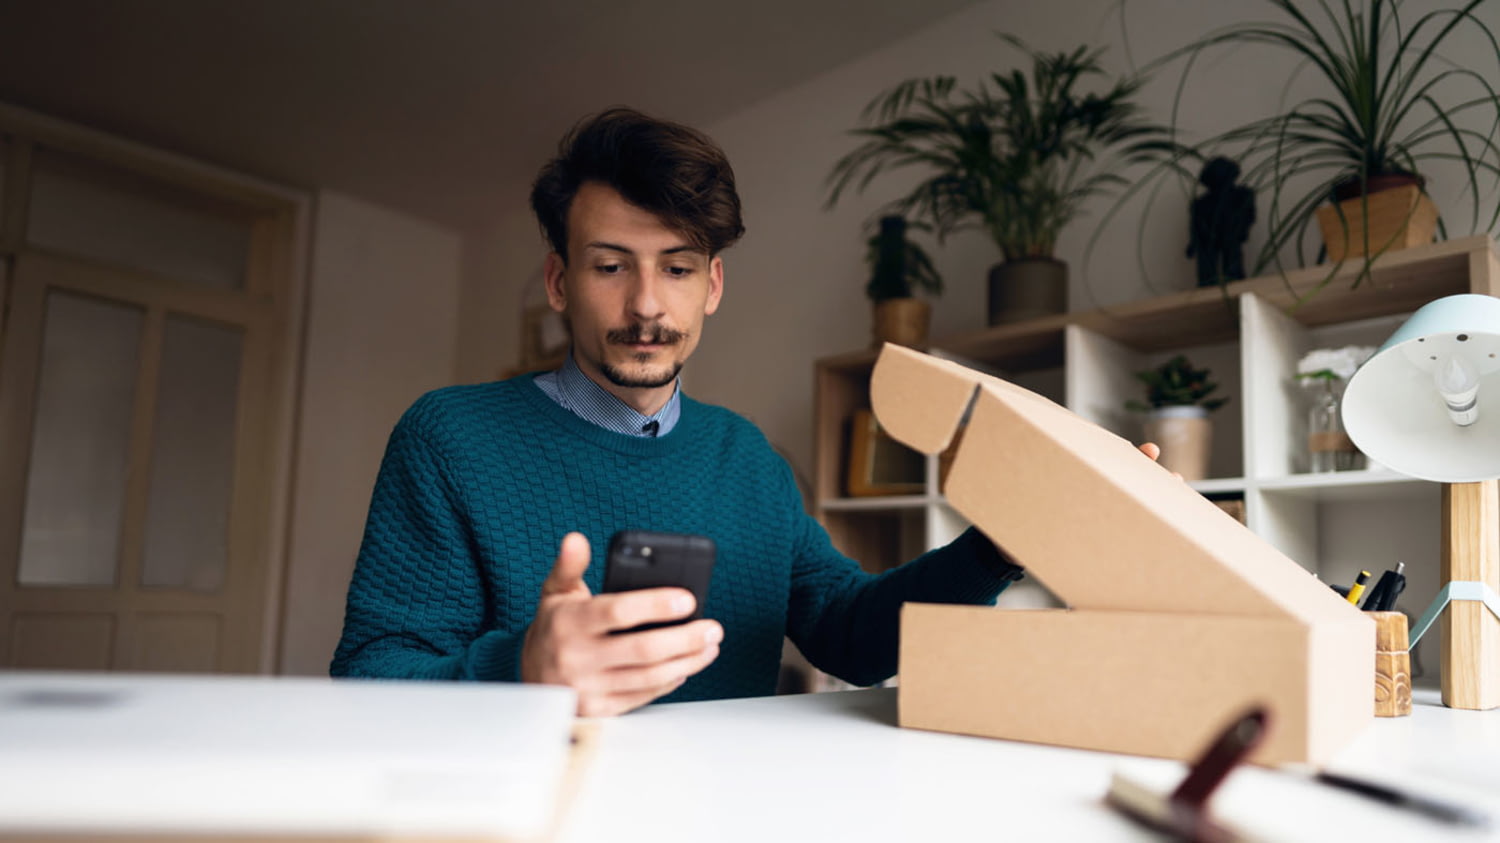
(1221, 220)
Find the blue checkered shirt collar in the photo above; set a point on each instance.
(578, 393)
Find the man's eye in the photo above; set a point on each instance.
(609, 268)
(679, 271)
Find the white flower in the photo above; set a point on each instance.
(1338, 362)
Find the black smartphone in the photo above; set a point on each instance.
(644, 559)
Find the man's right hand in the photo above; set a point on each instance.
(569, 641)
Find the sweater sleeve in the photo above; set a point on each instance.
(416, 604)
(846, 621)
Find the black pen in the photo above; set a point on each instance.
(1382, 598)
(1447, 812)
(1398, 584)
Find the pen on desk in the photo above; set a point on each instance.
(1437, 809)
(1358, 588)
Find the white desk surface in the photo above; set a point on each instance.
(835, 767)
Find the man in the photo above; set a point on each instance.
(476, 556)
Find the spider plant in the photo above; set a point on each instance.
(1016, 155)
(1388, 103)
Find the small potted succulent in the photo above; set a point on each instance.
(898, 269)
(1177, 406)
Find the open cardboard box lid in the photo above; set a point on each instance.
(1099, 522)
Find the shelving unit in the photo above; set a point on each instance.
(1250, 335)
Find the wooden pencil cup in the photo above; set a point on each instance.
(1392, 665)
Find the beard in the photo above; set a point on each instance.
(650, 377)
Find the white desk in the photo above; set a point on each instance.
(836, 767)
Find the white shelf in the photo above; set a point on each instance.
(1348, 486)
(878, 503)
(1219, 485)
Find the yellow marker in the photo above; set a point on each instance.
(1359, 587)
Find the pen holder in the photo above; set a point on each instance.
(1392, 665)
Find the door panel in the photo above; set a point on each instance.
(62, 641)
(192, 456)
(80, 440)
(105, 215)
(177, 642)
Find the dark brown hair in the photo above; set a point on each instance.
(675, 172)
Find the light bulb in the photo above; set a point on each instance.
(1457, 381)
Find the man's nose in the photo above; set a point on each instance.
(645, 297)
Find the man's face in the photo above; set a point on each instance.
(635, 293)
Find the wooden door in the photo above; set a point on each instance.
(135, 420)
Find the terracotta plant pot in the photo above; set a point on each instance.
(1184, 435)
(903, 322)
(1400, 216)
(1026, 289)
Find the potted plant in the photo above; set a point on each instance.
(1015, 155)
(1384, 104)
(1329, 447)
(899, 267)
(1177, 406)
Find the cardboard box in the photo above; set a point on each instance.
(1179, 617)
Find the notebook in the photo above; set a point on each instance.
(139, 754)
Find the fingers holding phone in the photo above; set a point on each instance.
(575, 638)
(617, 667)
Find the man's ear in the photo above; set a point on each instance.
(553, 270)
(715, 285)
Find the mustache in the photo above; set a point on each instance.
(655, 334)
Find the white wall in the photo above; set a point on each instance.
(382, 326)
(502, 272)
(794, 286)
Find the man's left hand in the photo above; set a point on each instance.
(1153, 450)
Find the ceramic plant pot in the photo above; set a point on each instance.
(1398, 213)
(1026, 289)
(903, 322)
(1185, 436)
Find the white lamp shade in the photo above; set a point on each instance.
(1396, 413)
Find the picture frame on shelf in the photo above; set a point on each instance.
(878, 464)
(544, 333)
(544, 341)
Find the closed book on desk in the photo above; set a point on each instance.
(152, 757)
(1179, 617)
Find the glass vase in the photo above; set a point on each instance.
(1329, 448)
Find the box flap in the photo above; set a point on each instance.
(1095, 519)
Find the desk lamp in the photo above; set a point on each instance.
(1427, 404)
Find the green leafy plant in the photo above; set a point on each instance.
(898, 266)
(1386, 103)
(1017, 155)
(1176, 383)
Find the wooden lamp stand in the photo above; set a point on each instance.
(1471, 626)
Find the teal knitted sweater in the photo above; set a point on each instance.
(480, 483)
